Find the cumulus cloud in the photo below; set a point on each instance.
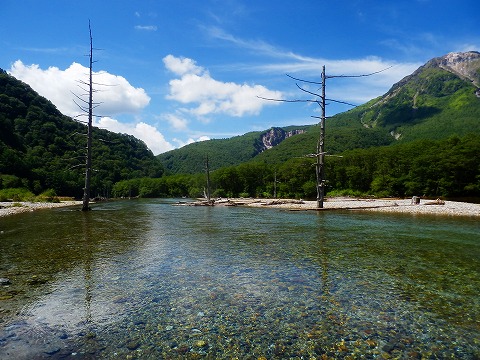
(143, 131)
(206, 96)
(116, 94)
(181, 66)
(191, 140)
(177, 122)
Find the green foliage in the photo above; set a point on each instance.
(221, 152)
(346, 193)
(10, 181)
(435, 168)
(447, 168)
(167, 186)
(42, 149)
(16, 194)
(48, 196)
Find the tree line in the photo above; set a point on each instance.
(433, 168)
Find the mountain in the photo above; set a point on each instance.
(438, 100)
(42, 149)
(226, 152)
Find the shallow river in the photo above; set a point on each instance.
(144, 279)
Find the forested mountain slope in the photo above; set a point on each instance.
(439, 100)
(226, 152)
(41, 149)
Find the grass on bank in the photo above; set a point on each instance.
(23, 194)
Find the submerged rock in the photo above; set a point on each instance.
(133, 345)
(5, 281)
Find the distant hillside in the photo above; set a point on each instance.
(226, 152)
(440, 99)
(41, 149)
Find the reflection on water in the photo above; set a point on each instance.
(145, 279)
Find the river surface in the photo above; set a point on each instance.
(144, 279)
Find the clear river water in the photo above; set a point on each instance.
(144, 279)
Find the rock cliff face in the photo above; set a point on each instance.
(273, 137)
(464, 64)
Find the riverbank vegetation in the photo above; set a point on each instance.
(441, 168)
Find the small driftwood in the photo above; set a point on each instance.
(436, 202)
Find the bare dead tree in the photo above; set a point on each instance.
(88, 162)
(87, 107)
(321, 100)
(88, 155)
(207, 173)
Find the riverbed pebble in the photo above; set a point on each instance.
(433, 207)
(12, 208)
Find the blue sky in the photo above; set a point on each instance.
(183, 71)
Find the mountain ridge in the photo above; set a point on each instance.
(439, 99)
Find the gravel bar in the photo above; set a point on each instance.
(12, 208)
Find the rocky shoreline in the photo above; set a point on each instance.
(435, 207)
(12, 208)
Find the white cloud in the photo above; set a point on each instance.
(146, 27)
(181, 66)
(356, 90)
(117, 96)
(148, 133)
(177, 122)
(181, 143)
(468, 47)
(209, 96)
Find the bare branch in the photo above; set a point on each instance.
(338, 76)
(308, 92)
(357, 76)
(108, 141)
(305, 81)
(341, 102)
(75, 166)
(77, 133)
(288, 101)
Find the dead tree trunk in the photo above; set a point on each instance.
(207, 170)
(320, 166)
(88, 161)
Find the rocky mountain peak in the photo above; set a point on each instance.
(463, 64)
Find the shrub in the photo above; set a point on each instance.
(16, 194)
(346, 193)
(48, 196)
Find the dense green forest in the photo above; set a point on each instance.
(225, 152)
(421, 138)
(434, 168)
(42, 149)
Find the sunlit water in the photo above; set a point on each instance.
(149, 280)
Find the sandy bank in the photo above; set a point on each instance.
(450, 208)
(11, 208)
